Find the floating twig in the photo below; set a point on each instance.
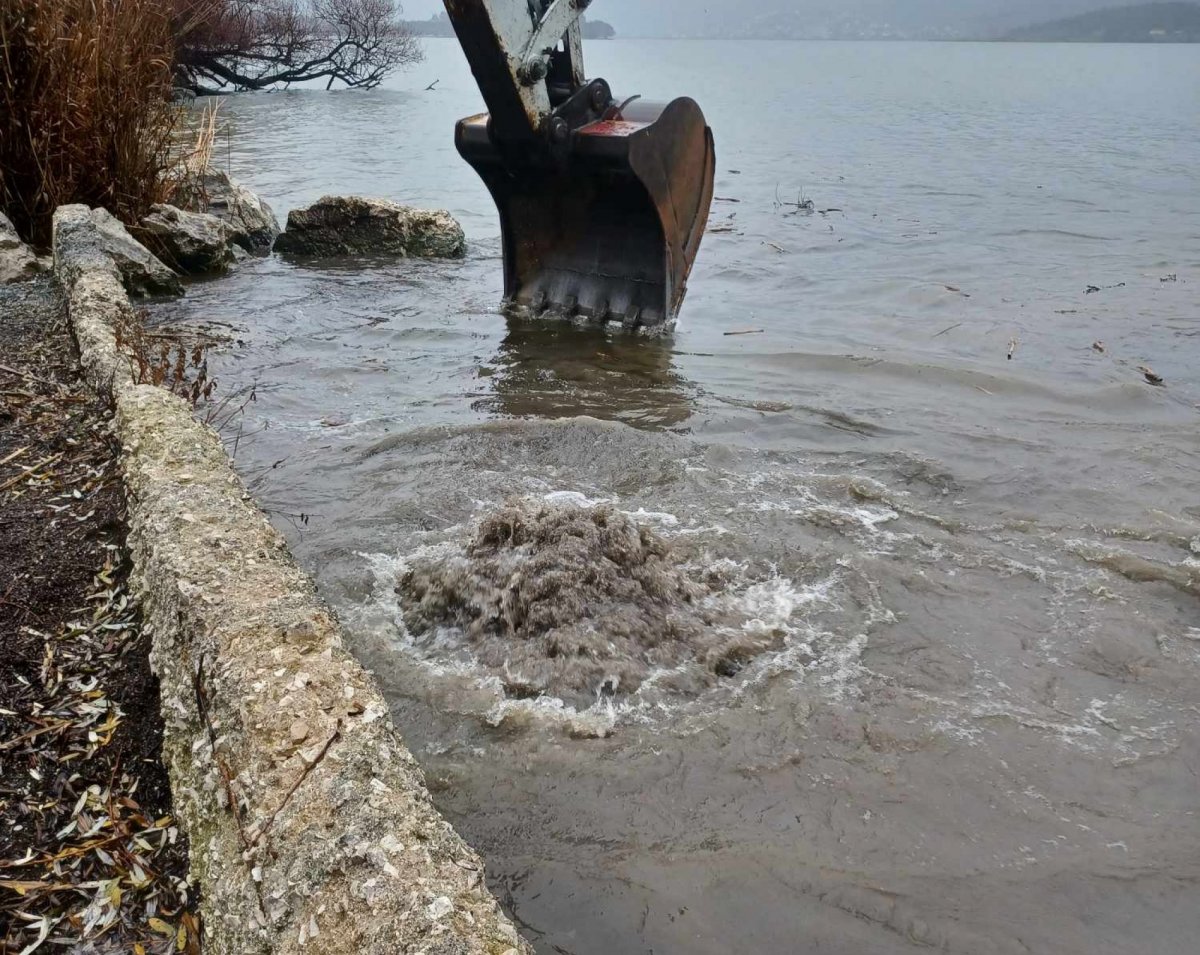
(802, 203)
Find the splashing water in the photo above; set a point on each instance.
(579, 601)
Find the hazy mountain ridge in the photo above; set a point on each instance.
(1145, 23)
(837, 19)
(439, 25)
(820, 19)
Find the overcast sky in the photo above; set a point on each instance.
(716, 17)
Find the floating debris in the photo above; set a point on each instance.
(1151, 376)
(1100, 347)
(945, 331)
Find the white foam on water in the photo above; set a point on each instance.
(576, 499)
(385, 570)
(597, 722)
(1080, 735)
(840, 670)
(1096, 711)
(770, 605)
(868, 520)
(661, 518)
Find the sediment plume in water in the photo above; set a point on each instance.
(581, 603)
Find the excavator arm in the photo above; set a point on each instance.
(602, 202)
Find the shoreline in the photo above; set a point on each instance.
(307, 815)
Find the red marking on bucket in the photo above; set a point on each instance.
(611, 127)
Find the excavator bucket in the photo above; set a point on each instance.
(602, 203)
(610, 232)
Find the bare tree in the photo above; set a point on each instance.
(226, 46)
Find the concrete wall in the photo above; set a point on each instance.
(310, 825)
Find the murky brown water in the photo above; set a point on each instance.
(974, 727)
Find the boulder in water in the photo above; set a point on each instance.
(352, 225)
(251, 223)
(194, 243)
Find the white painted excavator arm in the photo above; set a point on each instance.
(524, 33)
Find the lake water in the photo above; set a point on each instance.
(971, 538)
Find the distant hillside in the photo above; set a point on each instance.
(439, 25)
(818, 19)
(1148, 23)
(597, 30)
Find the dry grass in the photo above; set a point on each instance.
(191, 158)
(200, 156)
(167, 360)
(85, 107)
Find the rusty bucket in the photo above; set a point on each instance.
(607, 228)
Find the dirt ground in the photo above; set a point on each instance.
(90, 857)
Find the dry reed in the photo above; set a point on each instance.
(85, 107)
(192, 158)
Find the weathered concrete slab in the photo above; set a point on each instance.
(99, 242)
(311, 828)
